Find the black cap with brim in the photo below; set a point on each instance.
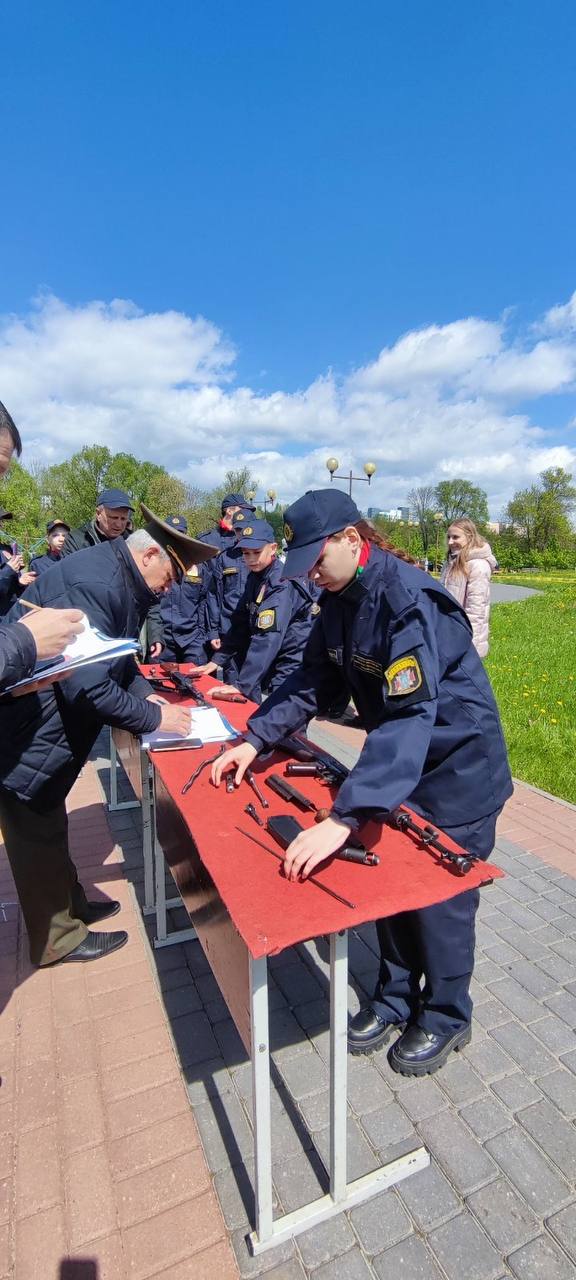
(57, 524)
(183, 550)
(308, 524)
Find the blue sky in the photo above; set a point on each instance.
(316, 181)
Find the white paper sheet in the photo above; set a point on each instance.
(207, 724)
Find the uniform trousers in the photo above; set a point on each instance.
(437, 944)
(51, 896)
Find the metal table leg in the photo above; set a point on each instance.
(113, 806)
(343, 1194)
(260, 1027)
(161, 903)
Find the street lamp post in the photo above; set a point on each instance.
(271, 497)
(333, 464)
(438, 520)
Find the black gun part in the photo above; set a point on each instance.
(198, 771)
(288, 792)
(230, 785)
(249, 776)
(250, 809)
(312, 879)
(460, 862)
(184, 685)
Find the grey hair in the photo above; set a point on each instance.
(141, 540)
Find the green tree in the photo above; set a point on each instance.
(540, 514)
(459, 497)
(20, 493)
(422, 506)
(71, 487)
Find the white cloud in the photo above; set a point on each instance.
(442, 401)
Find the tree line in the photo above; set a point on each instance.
(536, 526)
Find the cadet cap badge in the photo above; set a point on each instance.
(288, 532)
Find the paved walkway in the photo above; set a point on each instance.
(125, 1096)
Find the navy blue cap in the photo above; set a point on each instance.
(114, 498)
(178, 522)
(309, 522)
(236, 500)
(255, 534)
(57, 524)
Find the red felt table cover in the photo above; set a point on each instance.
(270, 912)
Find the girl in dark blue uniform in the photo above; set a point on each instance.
(404, 647)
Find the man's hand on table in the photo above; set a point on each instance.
(314, 846)
(175, 719)
(240, 756)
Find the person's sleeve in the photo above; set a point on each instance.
(154, 626)
(394, 754)
(213, 603)
(17, 654)
(477, 600)
(71, 543)
(314, 682)
(100, 689)
(9, 585)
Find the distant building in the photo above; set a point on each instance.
(395, 513)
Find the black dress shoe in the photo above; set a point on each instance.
(96, 945)
(368, 1031)
(419, 1052)
(94, 912)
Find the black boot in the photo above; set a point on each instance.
(419, 1052)
(368, 1031)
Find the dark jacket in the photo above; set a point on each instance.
(47, 737)
(219, 537)
(17, 656)
(183, 619)
(41, 563)
(87, 535)
(10, 587)
(224, 587)
(404, 647)
(268, 632)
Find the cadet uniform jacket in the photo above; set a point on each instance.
(269, 630)
(183, 617)
(434, 736)
(228, 574)
(47, 737)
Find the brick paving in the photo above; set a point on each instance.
(125, 1099)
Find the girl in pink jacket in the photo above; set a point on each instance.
(466, 575)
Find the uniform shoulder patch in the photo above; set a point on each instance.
(266, 619)
(403, 676)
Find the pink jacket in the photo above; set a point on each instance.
(473, 592)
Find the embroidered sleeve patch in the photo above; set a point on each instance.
(404, 676)
(266, 619)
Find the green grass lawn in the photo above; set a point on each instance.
(532, 666)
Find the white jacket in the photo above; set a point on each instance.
(473, 592)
